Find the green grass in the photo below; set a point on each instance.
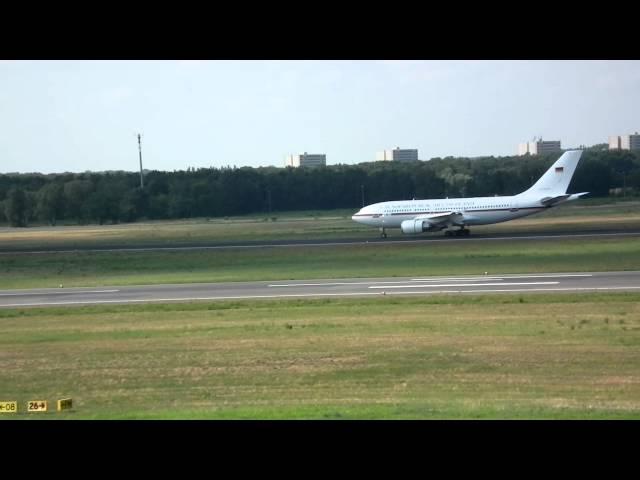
(593, 215)
(502, 356)
(347, 261)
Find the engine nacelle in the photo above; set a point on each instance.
(411, 227)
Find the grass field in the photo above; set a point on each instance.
(346, 261)
(495, 356)
(372, 260)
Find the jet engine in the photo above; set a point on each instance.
(411, 227)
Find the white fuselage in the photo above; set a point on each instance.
(476, 211)
(417, 216)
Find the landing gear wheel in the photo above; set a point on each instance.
(463, 232)
(383, 234)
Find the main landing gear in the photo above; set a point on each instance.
(383, 234)
(463, 232)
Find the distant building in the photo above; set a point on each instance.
(539, 147)
(306, 160)
(523, 148)
(614, 142)
(624, 142)
(398, 155)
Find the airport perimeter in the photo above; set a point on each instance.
(428, 354)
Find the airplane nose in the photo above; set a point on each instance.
(358, 216)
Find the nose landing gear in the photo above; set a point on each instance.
(383, 233)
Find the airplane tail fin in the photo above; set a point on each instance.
(555, 181)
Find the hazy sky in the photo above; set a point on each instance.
(74, 116)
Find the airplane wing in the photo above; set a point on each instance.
(445, 218)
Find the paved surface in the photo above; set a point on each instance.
(557, 282)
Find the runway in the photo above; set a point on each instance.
(342, 242)
(354, 287)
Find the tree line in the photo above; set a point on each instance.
(112, 197)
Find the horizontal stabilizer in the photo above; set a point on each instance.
(561, 198)
(554, 200)
(575, 196)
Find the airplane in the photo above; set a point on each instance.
(419, 216)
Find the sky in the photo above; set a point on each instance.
(74, 116)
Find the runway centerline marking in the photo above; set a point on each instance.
(180, 299)
(67, 292)
(435, 280)
(373, 282)
(456, 279)
(509, 277)
(561, 289)
(464, 285)
(336, 294)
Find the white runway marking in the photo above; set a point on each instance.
(373, 282)
(446, 279)
(568, 289)
(508, 277)
(68, 292)
(240, 297)
(456, 279)
(325, 284)
(188, 299)
(463, 285)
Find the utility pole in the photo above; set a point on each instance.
(140, 152)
